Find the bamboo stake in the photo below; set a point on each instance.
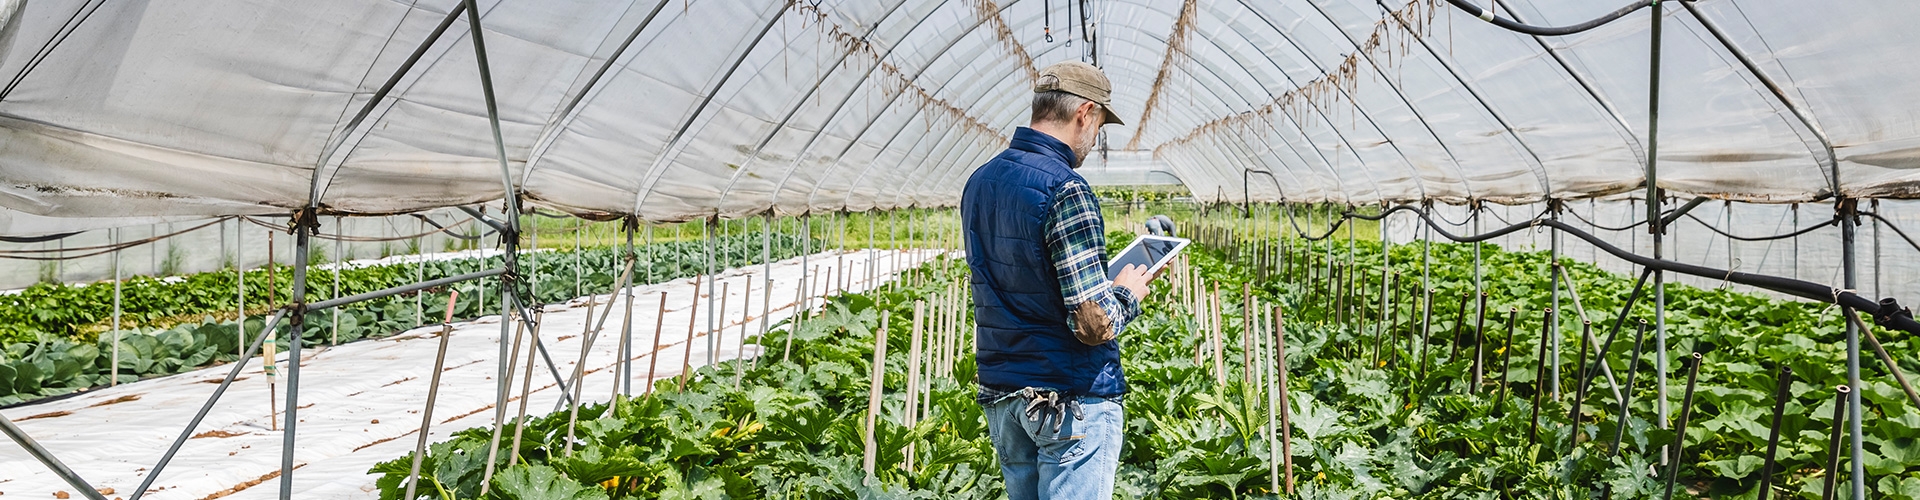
(740, 344)
(874, 386)
(505, 391)
(1580, 393)
(686, 353)
(587, 336)
(1680, 431)
(1219, 359)
(272, 369)
(1539, 379)
(1837, 431)
(1506, 363)
(913, 376)
(1267, 365)
(1781, 394)
(1246, 332)
(1286, 421)
(433, 393)
(526, 387)
(659, 327)
(719, 332)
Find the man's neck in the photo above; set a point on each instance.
(1059, 132)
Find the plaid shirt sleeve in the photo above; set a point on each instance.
(1077, 241)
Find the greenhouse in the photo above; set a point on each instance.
(717, 249)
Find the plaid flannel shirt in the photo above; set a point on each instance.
(1077, 241)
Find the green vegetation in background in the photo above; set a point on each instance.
(792, 429)
(55, 345)
(910, 228)
(1361, 428)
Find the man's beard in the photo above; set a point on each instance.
(1080, 152)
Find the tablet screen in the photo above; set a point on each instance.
(1150, 251)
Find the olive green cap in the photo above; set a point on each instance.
(1081, 79)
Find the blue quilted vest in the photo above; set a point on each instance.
(1022, 333)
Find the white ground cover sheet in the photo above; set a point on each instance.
(360, 403)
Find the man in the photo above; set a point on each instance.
(1049, 368)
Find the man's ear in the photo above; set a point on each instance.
(1089, 111)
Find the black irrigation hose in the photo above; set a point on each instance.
(1796, 233)
(26, 254)
(1896, 229)
(37, 239)
(1511, 25)
(1887, 315)
(1596, 225)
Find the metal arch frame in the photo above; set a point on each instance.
(1539, 168)
(948, 162)
(965, 136)
(1823, 155)
(674, 145)
(801, 103)
(1415, 177)
(563, 118)
(1333, 128)
(945, 176)
(1620, 121)
(335, 145)
(1270, 126)
(1051, 52)
(1466, 182)
(835, 115)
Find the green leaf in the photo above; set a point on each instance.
(1738, 467)
(540, 482)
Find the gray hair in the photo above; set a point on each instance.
(1055, 106)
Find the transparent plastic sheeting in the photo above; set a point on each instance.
(1886, 263)
(734, 107)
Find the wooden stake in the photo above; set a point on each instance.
(1286, 421)
(526, 386)
(1246, 333)
(913, 376)
(686, 353)
(433, 392)
(659, 327)
(1219, 359)
(740, 344)
(874, 385)
(273, 374)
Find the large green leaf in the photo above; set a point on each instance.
(540, 482)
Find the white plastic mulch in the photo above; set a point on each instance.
(360, 403)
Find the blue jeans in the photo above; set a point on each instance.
(1075, 462)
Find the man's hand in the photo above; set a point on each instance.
(1134, 278)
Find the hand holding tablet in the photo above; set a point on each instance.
(1152, 252)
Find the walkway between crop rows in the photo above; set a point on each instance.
(360, 402)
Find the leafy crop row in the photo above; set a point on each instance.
(1426, 433)
(52, 353)
(1382, 402)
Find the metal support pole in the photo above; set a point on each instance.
(303, 240)
(626, 322)
(1849, 220)
(1654, 225)
(713, 345)
(1553, 261)
(113, 372)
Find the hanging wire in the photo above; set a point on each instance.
(1781, 236)
(29, 254)
(1890, 225)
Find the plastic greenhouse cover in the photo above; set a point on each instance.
(731, 108)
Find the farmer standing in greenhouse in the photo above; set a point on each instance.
(1049, 368)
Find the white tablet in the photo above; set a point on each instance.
(1147, 250)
